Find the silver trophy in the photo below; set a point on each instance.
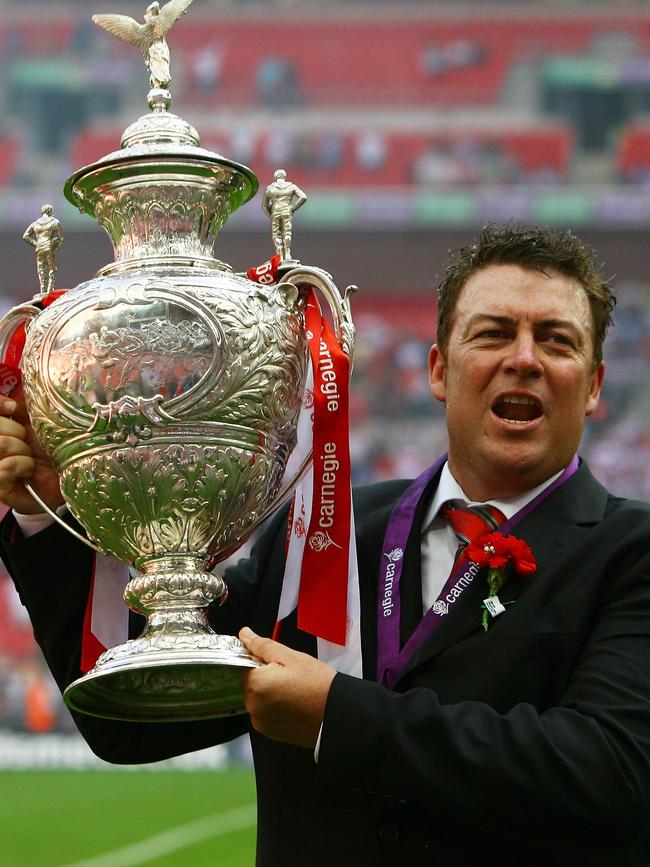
(166, 391)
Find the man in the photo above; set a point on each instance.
(526, 744)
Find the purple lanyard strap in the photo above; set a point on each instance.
(390, 660)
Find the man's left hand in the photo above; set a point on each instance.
(286, 698)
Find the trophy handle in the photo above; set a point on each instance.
(60, 520)
(17, 316)
(12, 320)
(305, 275)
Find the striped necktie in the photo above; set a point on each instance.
(470, 522)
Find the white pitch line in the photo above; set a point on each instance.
(176, 838)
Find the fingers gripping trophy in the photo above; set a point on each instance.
(166, 392)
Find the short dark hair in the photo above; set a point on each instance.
(538, 248)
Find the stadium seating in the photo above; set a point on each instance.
(33, 37)
(633, 153)
(9, 156)
(92, 143)
(415, 60)
(376, 158)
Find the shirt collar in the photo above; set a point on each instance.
(449, 489)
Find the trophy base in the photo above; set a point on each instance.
(139, 683)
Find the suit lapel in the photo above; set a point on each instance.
(548, 530)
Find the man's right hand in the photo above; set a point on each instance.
(22, 459)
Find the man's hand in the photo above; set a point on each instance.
(21, 459)
(285, 699)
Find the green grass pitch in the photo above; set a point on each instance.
(58, 818)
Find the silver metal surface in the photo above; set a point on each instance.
(166, 391)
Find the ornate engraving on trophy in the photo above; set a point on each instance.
(148, 681)
(160, 219)
(106, 365)
(173, 498)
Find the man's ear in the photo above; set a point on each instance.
(595, 385)
(437, 373)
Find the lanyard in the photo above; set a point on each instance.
(390, 659)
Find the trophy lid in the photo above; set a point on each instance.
(161, 196)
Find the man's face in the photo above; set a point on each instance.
(517, 379)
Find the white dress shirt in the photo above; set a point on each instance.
(29, 525)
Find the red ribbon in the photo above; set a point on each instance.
(266, 273)
(323, 594)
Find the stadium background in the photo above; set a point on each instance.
(409, 125)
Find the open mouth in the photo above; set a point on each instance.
(517, 409)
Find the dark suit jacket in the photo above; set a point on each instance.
(525, 745)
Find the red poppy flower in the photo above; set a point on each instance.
(498, 551)
(502, 554)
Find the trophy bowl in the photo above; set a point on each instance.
(166, 391)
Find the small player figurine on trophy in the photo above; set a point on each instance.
(46, 236)
(281, 199)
